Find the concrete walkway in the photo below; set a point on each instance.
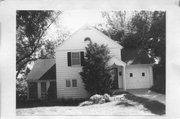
(148, 94)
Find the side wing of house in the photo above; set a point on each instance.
(69, 56)
(139, 76)
(42, 80)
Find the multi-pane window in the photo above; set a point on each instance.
(68, 83)
(75, 57)
(74, 83)
(71, 83)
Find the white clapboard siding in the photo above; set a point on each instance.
(138, 81)
(76, 43)
(115, 52)
(76, 40)
(64, 72)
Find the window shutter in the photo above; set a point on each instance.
(69, 58)
(82, 58)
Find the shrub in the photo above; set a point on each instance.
(158, 89)
(101, 101)
(86, 103)
(96, 98)
(96, 73)
(107, 97)
(21, 90)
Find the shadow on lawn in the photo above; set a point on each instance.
(126, 104)
(153, 106)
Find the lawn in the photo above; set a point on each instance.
(130, 105)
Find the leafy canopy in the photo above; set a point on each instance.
(141, 33)
(31, 28)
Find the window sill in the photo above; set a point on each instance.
(75, 66)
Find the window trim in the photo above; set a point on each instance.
(79, 59)
(69, 83)
(75, 83)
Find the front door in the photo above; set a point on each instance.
(43, 90)
(115, 78)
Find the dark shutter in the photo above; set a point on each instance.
(69, 58)
(82, 58)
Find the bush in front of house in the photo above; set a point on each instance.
(158, 88)
(107, 97)
(96, 74)
(97, 99)
(159, 79)
(21, 90)
(85, 103)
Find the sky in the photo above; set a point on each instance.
(71, 21)
(77, 18)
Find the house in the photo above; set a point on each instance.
(67, 65)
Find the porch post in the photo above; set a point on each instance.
(124, 77)
(39, 89)
(47, 85)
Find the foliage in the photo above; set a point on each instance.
(116, 23)
(21, 89)
(31, 28)
(86, 103)
(142, 35)
(96, 73)
(143, 39)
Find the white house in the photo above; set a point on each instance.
(70, 55)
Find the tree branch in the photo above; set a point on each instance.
(28, 55)
(19, 70)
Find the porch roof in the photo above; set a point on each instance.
(114, 61)
(43, 69)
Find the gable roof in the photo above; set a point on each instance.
(76, 40)
(43, 69)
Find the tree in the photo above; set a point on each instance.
(138, 34)
(30, 30)
(158, 37)
(116, 23)
(95, 73)
(137, 40)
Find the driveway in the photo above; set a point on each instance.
(146, 93)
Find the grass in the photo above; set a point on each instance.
(130, 105)
(154, 106)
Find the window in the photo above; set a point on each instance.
(143, 74)
(33, 90)
(120, 73)
(87, 39)
(74, 83)
(68, 83)
(43, 90)
(131, 74)
(75, 57)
